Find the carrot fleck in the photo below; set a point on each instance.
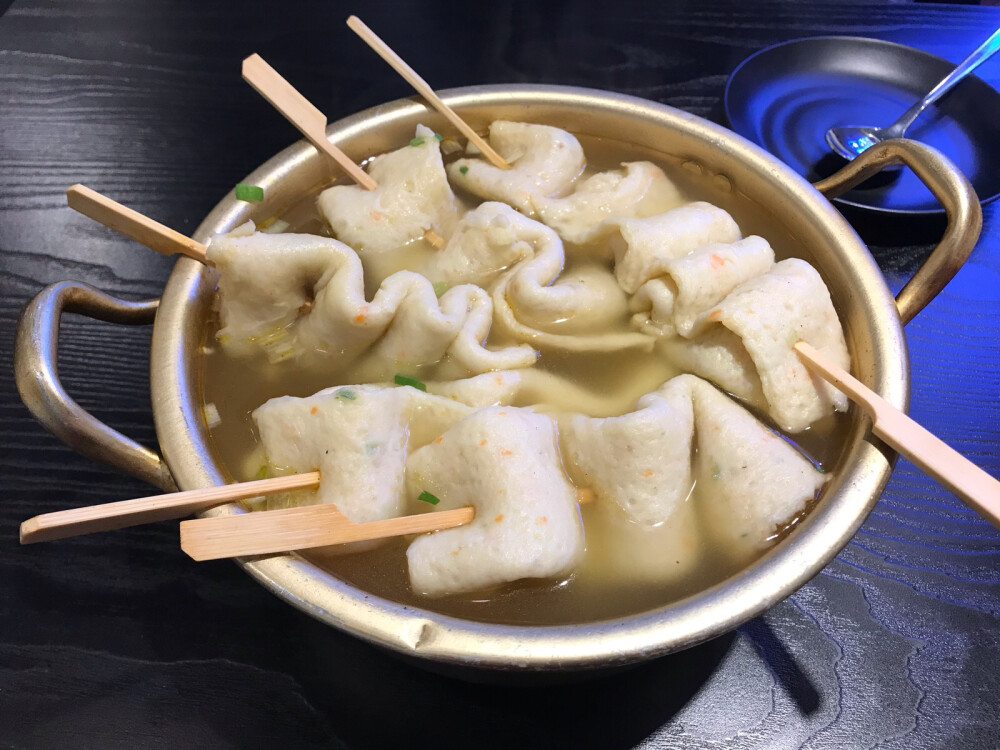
(483, 441)
(439, 439)
(314, 410)
(499, 518)
(647, 473)
(540, 520)
(717, 260)
(359, 318)
(506, 452)
(715, 314)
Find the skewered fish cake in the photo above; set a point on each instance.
(413, 196)
(677, 302)
(505, 462)
(750, 351)
(315, 309)
(544, 162)
(487, 241)
(358, 438)
(642, 246)
(642, 462)
(639, 190)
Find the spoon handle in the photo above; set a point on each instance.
(978, 489)
(981, 54)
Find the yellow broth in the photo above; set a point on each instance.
(605, 585)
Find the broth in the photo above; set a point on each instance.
(606, 584)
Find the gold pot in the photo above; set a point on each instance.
(726, 165)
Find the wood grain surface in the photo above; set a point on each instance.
(118, 640)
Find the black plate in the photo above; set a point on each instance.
(785, 97)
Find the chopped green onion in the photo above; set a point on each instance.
(261, 472)
(439, 137)
(428, 498)
(346, 393)
(418, 141)
(249, 193)
(440, 287)
(463, 169)
(717, 473)
(407, 380)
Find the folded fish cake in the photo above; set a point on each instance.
(302, 297)
(260, 309)
(754, 482)
(412, 196)
(488, 240)
(761, 321)
(677, 302)
(504, 461)
(543, 160)
(642, 246)
(358, 438)
(641, 461)
(749, 481)
(533, 297)
(638, 190)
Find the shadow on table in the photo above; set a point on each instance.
(373, 699)
(783, 666)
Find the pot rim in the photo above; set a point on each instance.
(426, 634)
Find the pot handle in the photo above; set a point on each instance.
(949, 186)
(37, 375)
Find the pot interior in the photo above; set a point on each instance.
(764, 196)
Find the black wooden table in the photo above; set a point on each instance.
(119, 641)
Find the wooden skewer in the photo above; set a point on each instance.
(423, 88)
(954, 471)
(301, 113)
(151, 233)
(133, 224)
(247, 534)
(119, 515)
(301, 528)
(308, 527)
(434, 239)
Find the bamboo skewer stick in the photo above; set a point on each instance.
(245, 534)
(301, 528)
(151, 233)
(133, 224)
(125, 513)
(301, 113)
(308, 527)
(434, 239)
(954, 471)
(423, 88)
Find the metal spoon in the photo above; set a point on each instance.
(852, 140)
